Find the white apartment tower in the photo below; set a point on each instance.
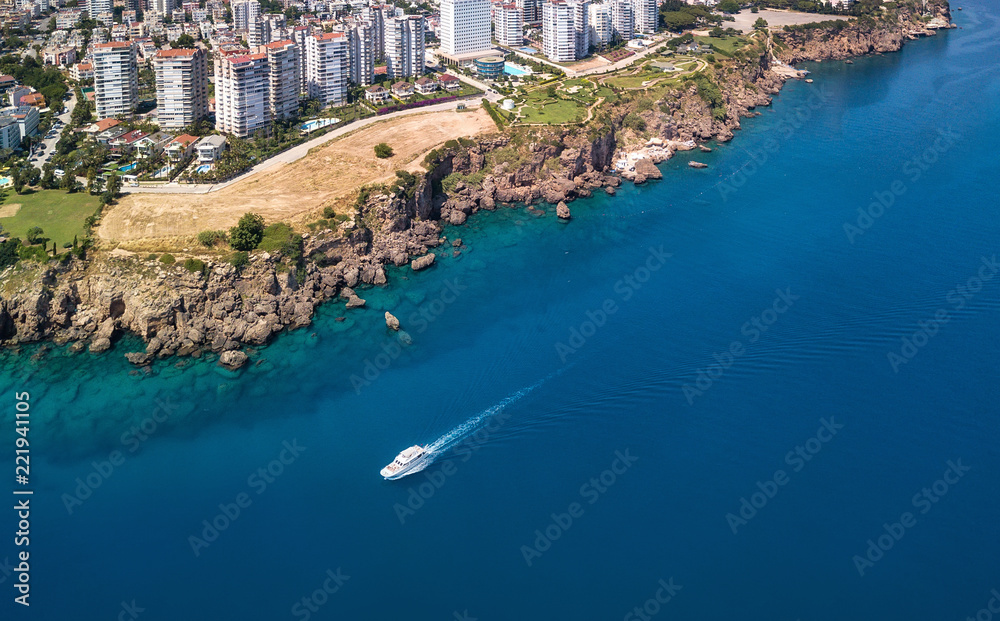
(328, 67)
(299, 35)
(622, 21)
(581, 26)
(284, 67)
(601, 30)
(362, 37)
(558, 32)
(245, 13)
(645, 15)
(404, 47)
(96, 7)
(116, 79)
(242, 94)
(465, 26)
(531, 11)
(508, 25)
(181, 87)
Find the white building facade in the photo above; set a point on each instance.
(328, 67)
(181, 87)
(242, 93)
(508, 25)
(558, 32)
(465, 26)
(116, 79)
(645, 15)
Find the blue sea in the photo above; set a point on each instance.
(765, 390)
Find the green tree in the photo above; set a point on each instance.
(183, 41)
(383, 150)
(246, 235)
(34, 235)
(729, 6)
(760, 24)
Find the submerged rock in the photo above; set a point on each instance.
(562, 210)
(422, 262)
(355, 302)
(697, 165)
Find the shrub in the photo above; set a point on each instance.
(33, 253)
(194, 265)
(167, 259)
(211, 238)
(281, 238)
(329, 212)
(383, 151)
(239, 259)
(35, 235)
(246, 235)
(152, 257)
(9, 252)
(634, 121)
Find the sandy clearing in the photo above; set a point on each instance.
(293, 192)
(776, 19)
(10, 210)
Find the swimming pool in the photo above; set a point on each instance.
(315, 124)
(203, 168)
(512, 69)
(5, 181)
(528, 50)
(129, 167)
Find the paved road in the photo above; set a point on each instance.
(291, 155)
(48, 146)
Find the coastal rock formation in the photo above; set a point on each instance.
(562, 211)
(422, 262)
(233, 360)
(391, 322)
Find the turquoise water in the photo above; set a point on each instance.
(203, 168)
(309, 126)
(129, 167)
(512, 69)
(720, 326)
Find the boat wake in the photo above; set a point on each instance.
(456, 435)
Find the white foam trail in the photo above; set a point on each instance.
(456, 435)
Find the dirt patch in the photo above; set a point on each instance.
(9, 210)
(294, 192)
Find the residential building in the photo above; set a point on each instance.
(27, 120)
(81, 71)
(328, 67)
(245, 12)
(7, 82)
(404, 47)
(36, 100)
(425, 85)
(362, 36)
(376, 94)
(68, 18)
(449, 82)
(181, 87)
(16, 93)
(152, 145)
(531, 11)
(178, 149)
(60, 56)
(622, 20)
(402, 89)
(645, 15)
(163, 7)
(210, 148)
(96, 7)
(601, 30)
(558, 32)
(581, 26)
(465, 27)
(242, 90)
(10, 134)
(283, 78)
(508, 25)
(299, 35)
(116, 79)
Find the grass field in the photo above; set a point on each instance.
(60, 215)
(570, 105)
(724, 45)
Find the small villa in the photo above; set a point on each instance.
(376, 94)
(180, 147)
(402, 89)
(425, 85)
(450, 82)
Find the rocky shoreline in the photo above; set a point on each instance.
(91, 303)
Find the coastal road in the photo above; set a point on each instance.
(291, 155)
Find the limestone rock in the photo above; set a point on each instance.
(390, 321)
(423, 262)
(233, 359)
(562, 210)
(355, 302)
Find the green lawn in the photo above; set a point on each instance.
(555, 111)
(60, 215)
(725, 45)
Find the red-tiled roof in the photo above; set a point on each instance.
(176, 52)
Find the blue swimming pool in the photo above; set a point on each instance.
(203, 168)
(512, 69)
(315, 124)
(129, 167)
(528, 50)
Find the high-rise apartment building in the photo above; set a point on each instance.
(328, 67)
(299, 35)
(242, 94)
(558, 32)
(116, 79)
(284, 66)
(531, 11)
(362, 37)
(508, 25)
(245, 12)
(404, 46)
(181, 87)
(622, 20)
(645, 15)
(581, 26)
(601, 30)
(465, 26)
